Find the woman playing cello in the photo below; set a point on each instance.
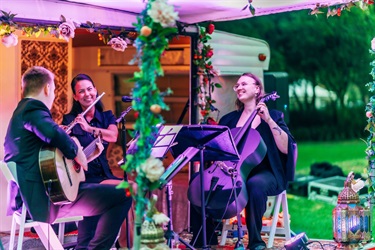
(271, 176)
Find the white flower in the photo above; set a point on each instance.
(117, 43)
(10, 40)
(373, 44)
(357, 185)
(215, 72)
(153, 168)
(160, 218)
(162, 13)
(66, 30)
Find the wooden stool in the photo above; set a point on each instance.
(272, 230)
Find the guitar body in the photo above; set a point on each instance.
(61, 176)
(222, 179)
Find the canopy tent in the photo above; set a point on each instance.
(123, 13)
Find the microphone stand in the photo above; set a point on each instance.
(122, 120)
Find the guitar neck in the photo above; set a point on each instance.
(91, 147)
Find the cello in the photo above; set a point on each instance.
(225, 181)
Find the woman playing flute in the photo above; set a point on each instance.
(94, 122)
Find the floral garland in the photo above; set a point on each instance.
(206, 73)
(156, 26)
(370, 111)
(337, 9)
(65, 30)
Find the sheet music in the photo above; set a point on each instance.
(166, 136)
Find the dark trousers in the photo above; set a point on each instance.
(260, 184)
(104, 209)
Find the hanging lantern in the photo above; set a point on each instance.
(351, 222)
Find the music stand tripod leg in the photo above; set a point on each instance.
(239, 244)
(203, 207)
(123, 146)
(170, 235)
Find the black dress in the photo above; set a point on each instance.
(269, 178)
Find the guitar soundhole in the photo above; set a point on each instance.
(76, 167)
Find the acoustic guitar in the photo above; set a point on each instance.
(62, 176)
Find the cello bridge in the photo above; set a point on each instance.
(227, 169)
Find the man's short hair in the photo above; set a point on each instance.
(34, 79)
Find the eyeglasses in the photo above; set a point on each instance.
(243, 84)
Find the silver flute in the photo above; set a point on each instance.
(73, 123)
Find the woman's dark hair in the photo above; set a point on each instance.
(76, 107)
(258, 82)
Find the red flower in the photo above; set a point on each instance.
(208, 66)
(210, 28)
(204, 112)
(209, 53)
(211, 121)
(339, 12)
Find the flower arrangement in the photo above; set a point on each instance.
(65, 30)
(155, 27)
(152, 228)
(370, 111)
(337, 9)
(206, 73)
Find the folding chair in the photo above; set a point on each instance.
(44, 230)
(272, 230)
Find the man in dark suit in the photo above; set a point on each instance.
(31, 127)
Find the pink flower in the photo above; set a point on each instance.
(373, 44)
(66, 30)
(10, 40)
(368, 114)
(117, 43)
(200, 47)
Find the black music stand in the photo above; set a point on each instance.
(164, 141)
(122, 120)
(215, 143)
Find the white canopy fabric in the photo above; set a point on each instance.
(123, 13)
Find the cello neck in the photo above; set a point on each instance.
(241, 132)
(247, 124)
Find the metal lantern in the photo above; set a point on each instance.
(351, 222)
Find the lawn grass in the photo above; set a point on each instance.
(349, 155)
(315, 217)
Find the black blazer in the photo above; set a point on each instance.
(30, 127)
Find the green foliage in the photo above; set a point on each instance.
(148, 101)
(146, 92)
(206, 73)
(370, 112)
(327, 125)
(331, 52)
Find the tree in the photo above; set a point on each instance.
(330, 52)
